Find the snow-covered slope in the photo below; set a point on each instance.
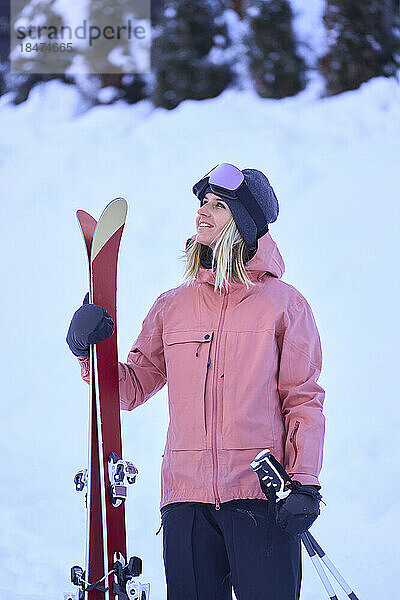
(334, 166)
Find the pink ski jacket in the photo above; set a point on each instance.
(242, 370)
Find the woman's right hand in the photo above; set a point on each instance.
(90, 324)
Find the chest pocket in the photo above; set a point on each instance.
(187, 360)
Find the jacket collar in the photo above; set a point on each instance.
(266, 261)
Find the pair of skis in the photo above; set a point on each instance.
(272, 474)
(108, 575)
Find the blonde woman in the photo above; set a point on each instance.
(240, 351)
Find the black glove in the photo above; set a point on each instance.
(298, 511)
(90, 324)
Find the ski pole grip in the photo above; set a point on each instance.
(271, 473)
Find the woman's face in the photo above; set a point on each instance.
(214, 212)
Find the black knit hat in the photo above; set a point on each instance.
(265, 197)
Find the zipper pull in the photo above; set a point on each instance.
(217, 506)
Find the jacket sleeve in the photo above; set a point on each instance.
(301, 396)
(144, 372)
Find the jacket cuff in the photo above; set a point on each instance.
(305, 479)
(85, 368)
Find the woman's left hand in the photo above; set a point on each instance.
(299, 510)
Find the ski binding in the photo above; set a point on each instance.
(120, 471)
(125, 587)
(80, 480)
(137, 591)
(71, 596)
(78, 579)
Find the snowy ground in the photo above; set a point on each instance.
(334, 166)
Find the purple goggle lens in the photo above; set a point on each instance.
(224, 179)
(226, 176)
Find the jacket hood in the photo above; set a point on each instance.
(267, 260)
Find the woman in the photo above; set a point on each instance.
(241, 353)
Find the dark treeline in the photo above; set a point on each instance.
(364, 42)
(203, 47)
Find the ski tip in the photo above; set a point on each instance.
(123, 206)
(85, 219)
(118, 204)
(82, 213)
(87, 225)
(111, 220)
(115, 211)
(84, 216)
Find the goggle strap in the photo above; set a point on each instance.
(199, 187)
(247, 200)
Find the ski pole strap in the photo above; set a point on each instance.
(277, 465)
(272, 484)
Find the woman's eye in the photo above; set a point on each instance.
(220, 204)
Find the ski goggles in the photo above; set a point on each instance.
(227, 181)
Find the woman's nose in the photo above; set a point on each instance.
(203, 211)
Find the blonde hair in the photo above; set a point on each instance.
(228, 257)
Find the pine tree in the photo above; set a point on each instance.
(31, 68)
(238, 6)
(115, 76)
(363, 42)
(44, 13)
(110, 84)
(189, 52)
(276, 67)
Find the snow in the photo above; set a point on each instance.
(309, 28)
(334, 165)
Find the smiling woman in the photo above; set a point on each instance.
(229, 222)
(218, 245)
(241, 354)
(212, 217)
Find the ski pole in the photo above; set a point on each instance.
(322, 555)
(318, 567)
(275, 477)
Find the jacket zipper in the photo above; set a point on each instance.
(205, 387)
(293, 438)
(214, 406)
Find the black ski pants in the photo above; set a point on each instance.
(207, 551)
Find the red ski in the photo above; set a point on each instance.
(108, 575)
